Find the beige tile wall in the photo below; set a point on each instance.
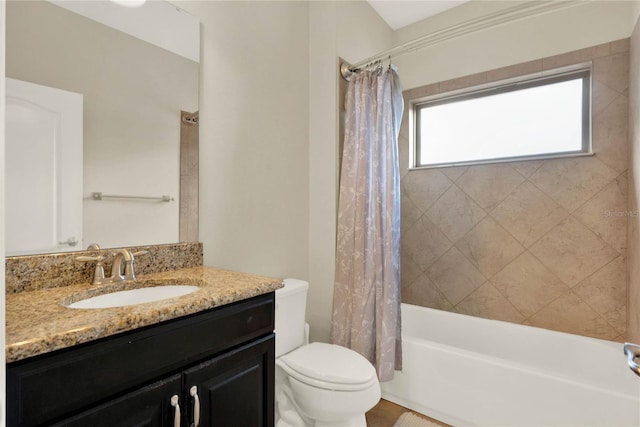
(541, 243)
(634, 187)
(189, 178)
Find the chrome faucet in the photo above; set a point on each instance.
(122, 258)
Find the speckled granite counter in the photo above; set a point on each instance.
(37, 321)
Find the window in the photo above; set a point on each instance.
(542, 117)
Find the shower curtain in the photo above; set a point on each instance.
(366, 301)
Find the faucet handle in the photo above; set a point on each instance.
(135, 254)
(98, 273)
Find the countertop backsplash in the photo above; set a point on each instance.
(34, 272)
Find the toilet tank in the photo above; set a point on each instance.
(291, 304)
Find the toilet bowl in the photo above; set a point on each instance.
(317, 384)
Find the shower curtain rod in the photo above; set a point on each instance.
(520, 11)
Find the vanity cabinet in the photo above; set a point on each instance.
(149, 406)
(218, 366)
(231, 388)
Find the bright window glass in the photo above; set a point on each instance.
(542, 118)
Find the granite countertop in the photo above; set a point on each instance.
(37, 322)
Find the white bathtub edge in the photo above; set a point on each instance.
(429, 412)
(460, 387)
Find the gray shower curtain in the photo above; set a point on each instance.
(366, 301)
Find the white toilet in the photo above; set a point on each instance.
(317, 384)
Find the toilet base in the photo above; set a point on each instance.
(357, 421)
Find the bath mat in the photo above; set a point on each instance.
(409, 420)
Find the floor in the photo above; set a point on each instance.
(386, 413)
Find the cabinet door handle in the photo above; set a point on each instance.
(193, 391)
(176, 414)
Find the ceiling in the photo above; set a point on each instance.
(400, 13)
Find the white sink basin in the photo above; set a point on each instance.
(134, 296)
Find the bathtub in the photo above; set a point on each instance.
(467, 371)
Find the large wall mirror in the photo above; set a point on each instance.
(136, 101)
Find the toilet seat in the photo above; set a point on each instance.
(330, 367)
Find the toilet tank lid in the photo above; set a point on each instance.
(330, 363)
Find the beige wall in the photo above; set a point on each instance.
(633, 254)
(353, 31)
(564, 30)
(268, 126)
(541, 243)
(254, 135)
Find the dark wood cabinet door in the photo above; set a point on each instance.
(235, 389)
(147, 407)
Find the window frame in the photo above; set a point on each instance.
(579, 71)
